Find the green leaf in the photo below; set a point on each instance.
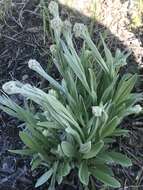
(120, 159)
(31, 142)
(10, 107)
(44, 178)
(35, 163)
(37, 134)
(26, 152)
(28, 141)
(63, 170)
(109, 140)
(61, 110)
(68, 149)
(109, 91)
(53, 178)
(85, 148)
(48, 125)
(109, 57)
(75, 66)
(9, 111)
(108, 129)
(94, 150)
(121, 132)
(104, 158)
(105, 178)
(97, 55)
(104, 168)
(83, 173)
(125, 86)
(93, 85)
(75, 134)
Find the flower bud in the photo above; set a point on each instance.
(34, 65)
(53, 93)
(53, 8)
(88, 53)
(136, 109)
(53, 49)
(80, 30)
(67, 26)
(12, 87)
(97, 111)
(45, 132)
(57, 24)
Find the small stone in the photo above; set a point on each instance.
(25, 77)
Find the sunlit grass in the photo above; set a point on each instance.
(136, 19)
(86, 7)
(5, 6)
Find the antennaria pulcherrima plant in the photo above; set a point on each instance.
(78, 119)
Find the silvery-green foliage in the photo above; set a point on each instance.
(79, 117)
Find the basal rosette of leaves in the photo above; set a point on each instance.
(79, 117)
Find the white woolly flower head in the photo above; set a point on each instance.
(120, 58)
(80, 30)
(56, 24)
(88, 53)
(97, 111)
(137, 109)
(53, 49)
(53, 8)
(27, 87)
(67, 26)
(33, 64)
(12, 87)
(53, 93)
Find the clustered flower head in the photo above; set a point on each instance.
(27, 90)
(53, 49)
(12, 87)
(137, 109)
(53, 93)
(16, 87)
(120, 58)
(97, 111)
(67, 26)
(35, 66)
(80, 30)
(56, 24)
(53, 9)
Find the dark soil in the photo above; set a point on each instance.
(21, 38)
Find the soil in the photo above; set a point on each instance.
(21, 38)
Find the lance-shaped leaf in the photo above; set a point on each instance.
(76, 66)
(120, 159)
(83, 173)
(85, 148)
(25, 152)
(44, 178)
(68, 149)
(108, 129)
(31, 142)
(94, 150)
(105, 178)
